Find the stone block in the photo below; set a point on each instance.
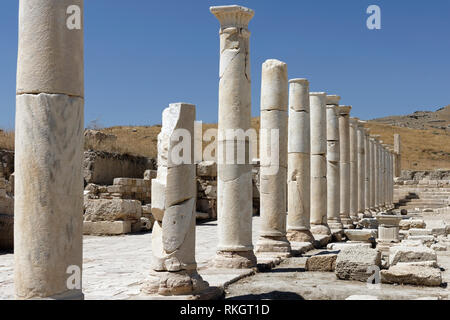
(427, 240)
(420, 232)
(6, 232)
(322, 262)
(413, 275)
(438, 247)
(410, 254)
(354, 263)
(364, 235)
(106, 227)
(112, 210)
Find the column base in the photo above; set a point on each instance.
(165, 283)
(68, 295)
(276, 245)
(322, 229)
(234, 259)
(300, 236)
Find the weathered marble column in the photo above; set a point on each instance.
(319, 164)
(333, 166)
(353, 168)
(234, 178)
(377, 172)
(368, 189)
(273, 169)
(174, 191)
(391, 156)
(299, 158)
(361, 137)
(397, 156)
(344, 144)
(383, 175)
(373, 189)
(48, 221)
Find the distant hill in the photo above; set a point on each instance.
(439, 119)
(425, 138)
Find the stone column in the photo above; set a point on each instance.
(333, 169)
(397, 156)
(373, 163)
(353, 168)
(318, 164)
(361, 137)
(391, 177)
(234, 178)
(48, 224)
(174, 194)
(385, 176)
(344, 144)
(273, 169)
(368, 189)
(299, 169)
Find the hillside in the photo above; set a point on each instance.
(425, 141)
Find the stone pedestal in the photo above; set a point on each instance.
(388, 232)
(344, 144)
(299, 169)
(234, 178)
(273, 156)
(333, 166)
(318, 164)
(48, 208)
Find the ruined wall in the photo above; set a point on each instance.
(102, 167)
(433, 178)
(6, 163)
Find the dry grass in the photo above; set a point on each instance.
(421, 149)
(6, 140)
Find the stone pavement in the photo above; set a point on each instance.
(115, 267)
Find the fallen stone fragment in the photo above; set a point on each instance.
(427, 240)
(438, 247)
(355, 263)
(414, 275)
(322, 262)
(420, 232)
(106, 227)
(410, 254)
(342, 245)
(412, 223)
(365, 235)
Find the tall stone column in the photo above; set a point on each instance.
(299, 169)
(397, 156)
(383, 175)
(373, 189)
(234, 177)
(353, 168)
(48, 221)
(319, 164)
(368, 189)
(344, 144)
(273, 169)
(361, 137)
(391, 156)
(173, 206)
(378, 174)
(333, 166)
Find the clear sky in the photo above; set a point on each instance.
(141, 55)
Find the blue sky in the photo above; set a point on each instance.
(141, 55)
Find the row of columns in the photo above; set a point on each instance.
(330, 170)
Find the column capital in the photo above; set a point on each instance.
(232, 16)
(344, 110)
(299, 80)
(318, 94)
(333, 99)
